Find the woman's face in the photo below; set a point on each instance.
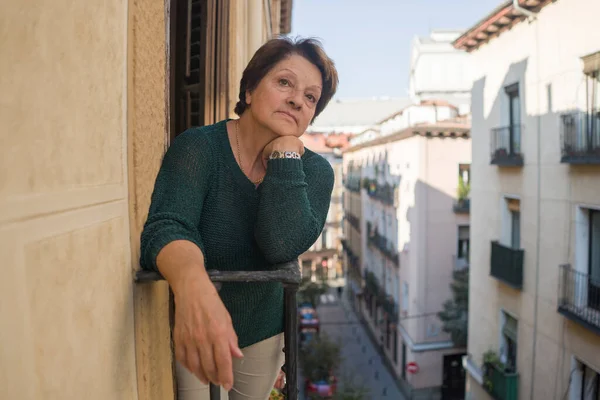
(285, 100)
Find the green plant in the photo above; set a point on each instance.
(463, 188)
(490, 359)
(320, 358)
(455, 313)
(310, 292)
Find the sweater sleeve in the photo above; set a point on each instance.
(179, 192)
(293, 206)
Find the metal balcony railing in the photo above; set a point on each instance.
(507, 265)
(506, 146)
(460, 263)
(579, 298)
(353, 220)
(502, 385)
(352, 183)
(289, 275)
(462, 206)
(385, 193)
(580, 137)
(381, 243)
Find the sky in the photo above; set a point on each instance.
(370, 41)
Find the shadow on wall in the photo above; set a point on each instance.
(545, 138)
(433, 229)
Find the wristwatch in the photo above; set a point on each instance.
(284, 154)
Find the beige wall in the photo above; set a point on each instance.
(66, 296)
(544, 61)
(84, 131)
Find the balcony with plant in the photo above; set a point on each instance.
(499, 380)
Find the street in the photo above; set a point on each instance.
(361, 363)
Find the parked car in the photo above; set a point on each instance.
(321, 389)
(308, 318)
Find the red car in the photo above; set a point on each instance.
(323, 389)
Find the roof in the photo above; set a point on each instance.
(501, 19)
(358, 112)
(453, 128)
(427, 102)
(325, 143)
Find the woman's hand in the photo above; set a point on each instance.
(204, 336)
(282, 143)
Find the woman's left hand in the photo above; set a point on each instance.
(282, 143)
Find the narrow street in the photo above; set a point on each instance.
(361, 362)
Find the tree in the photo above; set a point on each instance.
(311, 291)
(320, 358)
(463, 188)
(455, 315)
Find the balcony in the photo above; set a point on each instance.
(580, 137)
(374, 239)
(352, 183)
(506, 146)
(353, 221)
(384, 193)
(501, 385)
(507, 265)
(462, 206)
(460, 263)
(579, 298)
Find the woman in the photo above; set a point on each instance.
(241, 195)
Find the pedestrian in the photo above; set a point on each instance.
(242, 194)
(339, 291)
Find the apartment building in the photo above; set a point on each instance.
(404, 235)
(534, 312)
(323, 260)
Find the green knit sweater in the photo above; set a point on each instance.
(201, 195)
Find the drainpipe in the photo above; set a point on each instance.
(522, 10)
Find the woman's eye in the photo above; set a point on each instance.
(311, 98)
(284, 82)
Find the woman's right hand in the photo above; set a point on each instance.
(205, 340)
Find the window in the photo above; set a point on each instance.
(585, 383)
(508, 347)
(464, 173)
(515, 229)
(514, 118)
(198, 64)
(590, 388)
(405, 297)
(512, 224)
(463, 243)
(594, 261)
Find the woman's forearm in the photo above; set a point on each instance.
(180, 262)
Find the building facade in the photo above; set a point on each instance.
(534, 312)
(439, 71)
(92, 94)
(402, 233)
(323, 260)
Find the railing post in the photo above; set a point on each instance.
(291, 342)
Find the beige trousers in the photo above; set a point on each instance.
(253, 376)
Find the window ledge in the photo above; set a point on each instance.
(475, 372)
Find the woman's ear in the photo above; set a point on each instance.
(248, 97)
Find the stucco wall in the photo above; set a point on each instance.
(546, 63)
(66, 297)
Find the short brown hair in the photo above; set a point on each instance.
(276, 50)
